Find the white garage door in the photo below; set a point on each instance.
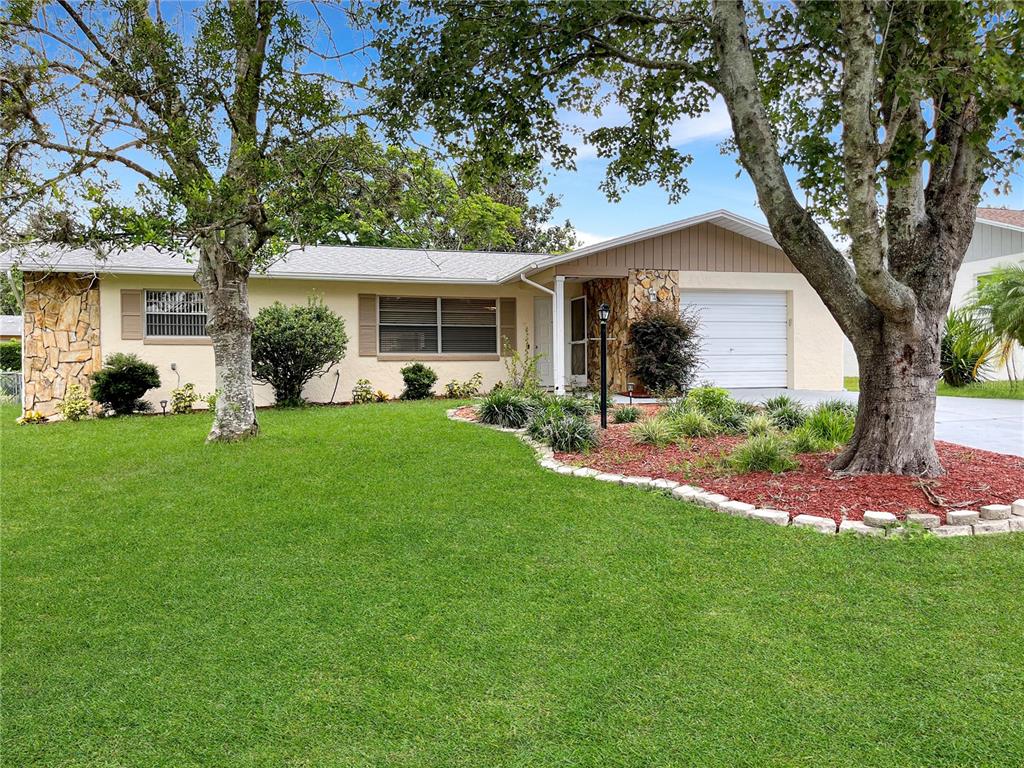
(743, 337)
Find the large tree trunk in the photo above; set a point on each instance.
(895, 432)
(226, 289)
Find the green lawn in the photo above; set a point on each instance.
(988, 389)
(378, 586)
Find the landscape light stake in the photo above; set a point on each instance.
(163, 407)
(603, 312)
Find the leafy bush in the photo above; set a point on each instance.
(75, 404)
(291, 345)
(967, 345)
(183, 398)
(785, 412)
(804, 439)
(758, 424)
(694, 424)
(999, 301)
(362, 392)
(664, 348)
(506, 407)
(833, 427)
(122, 381)
(762, 453)
(571, 433)
(457, 390)
(10, 355)
(419, 381)
(625, 414)
(726, 413)
(380, 396)
(658, 431)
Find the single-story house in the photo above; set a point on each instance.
(459, 312)
(10, 327)
(998, 240)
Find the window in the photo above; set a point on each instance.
(414, 325)
(175, 313)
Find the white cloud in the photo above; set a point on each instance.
(590, 238)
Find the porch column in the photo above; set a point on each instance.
(558, 335)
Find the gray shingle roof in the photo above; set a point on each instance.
(320, 262)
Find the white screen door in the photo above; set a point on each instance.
(578, 340)
(540, 337)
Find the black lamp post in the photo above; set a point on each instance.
(603, 312)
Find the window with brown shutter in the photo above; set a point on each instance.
(509, 343)
(131, 314)
(367, 325)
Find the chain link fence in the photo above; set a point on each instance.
(10, 387)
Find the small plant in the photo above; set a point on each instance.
(506, 407)
(362, 392)
(785, 412)
(380, 396)
(762, 453)
(183, 398)
(625, 414)
(695, 424)
(521, 369)
(840, 406)
(726, 413)
(758, 424)
(211, 399)
(833, 427)
(579, 406)
(122, 381)
(804, 439)
(75, 404)
(540, 417)
(31, 417)
(657, 431)
(967, 346)
(419, 381)
(463, 390)
(571, 433)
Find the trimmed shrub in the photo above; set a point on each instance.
(664, 348)
(695, 424)
(506, 407)
(832, 427)
(75, 404)
(362, 392)
(10, 355)
(183, 398)
(419, 381)
(804, 439)
(967, 346)
(657, 431)
(122, 381)
(762, 453)
(625, 414)
(291, 345)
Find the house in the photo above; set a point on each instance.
(998, 241)
(10, 327)
(460, 312)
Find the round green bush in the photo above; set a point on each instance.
(419, 381)
(122, 381)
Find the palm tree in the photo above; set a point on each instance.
(999, 300)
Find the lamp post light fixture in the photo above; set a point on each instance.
(629, 391)
(603, 312)
(163, 407)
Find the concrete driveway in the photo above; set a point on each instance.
(992, 425)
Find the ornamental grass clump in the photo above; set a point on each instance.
(578, 406)
(506, 407)
(785, 412)
(562, 430)
(694, 424)
(658, 431)
(804, 439)
(832, 427)
(725, 412)
(625, 414)
(759, 424)
(762, 453)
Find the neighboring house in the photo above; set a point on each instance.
(459, 312)
(10, 327)
(998, 240)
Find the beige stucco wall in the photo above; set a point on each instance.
(195, 361)
(815, 340)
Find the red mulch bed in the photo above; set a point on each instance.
(973, 477)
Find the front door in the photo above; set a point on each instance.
(578, 341)
(540, 338)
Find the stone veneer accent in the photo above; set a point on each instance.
(1012, 523)
(62, 336)
(628, 297)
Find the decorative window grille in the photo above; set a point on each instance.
(415, 325)
(175, 313)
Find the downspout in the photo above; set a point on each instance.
(538, 286)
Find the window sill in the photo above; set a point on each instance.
(473, 356)
(198, 341)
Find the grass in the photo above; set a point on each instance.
(378, 586)
(999, 390)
